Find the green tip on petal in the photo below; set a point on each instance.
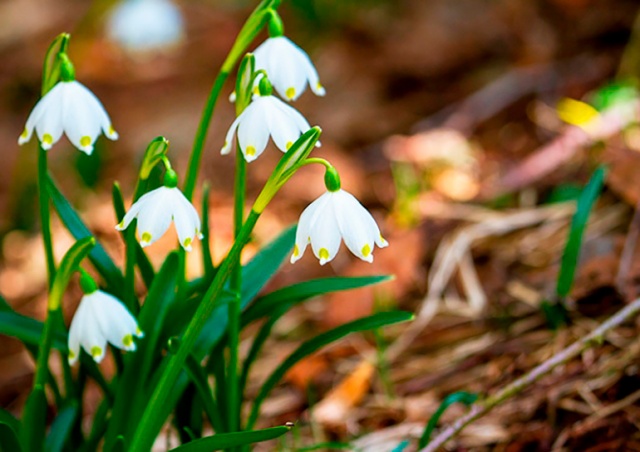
(24, 134)
(127, 341)
(288, 145)
(323, 253)
(290, 93)
(146, 237)
(187, 242)
(85, 141)
(366, 250)
(96, 352)
(47, 139)
(296, 251)
(250, 151)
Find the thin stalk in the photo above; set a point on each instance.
(45, 218)
(235, 398)
(153, 416)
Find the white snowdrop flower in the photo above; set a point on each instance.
(101, 318)
(334, 216)
(265, 116)
(145, 25)
(71, 108)
(288, 67)
(156, 209)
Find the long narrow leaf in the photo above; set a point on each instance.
(8, 439)
(199, 379)
(28, 330)
(61, 428)
(316, 343)
(227, 440)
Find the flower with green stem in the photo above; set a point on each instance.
(71, 108)
(336, 215)
(100, 318)
(287, 65)
(265, 116)
(155, 211)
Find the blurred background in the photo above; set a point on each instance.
(431, 111)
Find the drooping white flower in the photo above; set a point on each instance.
(334, 216)
(71, 108)
(154, 212)
(288, 67)
(145, 25)
(99, 319)
(265, 116)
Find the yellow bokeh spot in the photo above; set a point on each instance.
(366, 250)
(289, 144)
(250, 151)
(47, 139)
(296, 251)
(127, 341)
(187, 242)
(323, 253)
(85, 141)
(24, 134)
(290, 92)
(146, 237)
(576, 112)
(96, 351)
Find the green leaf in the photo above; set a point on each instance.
(578, 224)
(8, 439)
(245, 82)
(228, 440)
(51, 68)
(33, 424)
(207, 261)
(156, 150)
(68, 266)
(265, 305)
(61, 427)
(28, 330)
(466, 398)
(100, 259)
(316, 343)
(12, 422)
(199, 378)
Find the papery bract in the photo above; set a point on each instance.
(71, 108)
(334, 216)
(101, 318)
(154, 212)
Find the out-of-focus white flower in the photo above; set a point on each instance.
(71, 108)
(145, 25)
(265, 116)
(288, 67)
(334, 216)
(154, 212)
(101, 318)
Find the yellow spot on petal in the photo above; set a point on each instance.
(139, 332)
(226, 143)
(120, 225)
(296, 251)
(85, 141)
(72, 355)
(96, 352)
(24, 134)
(288, 145)
(366, 250)
(112, 131)
(186, 242)
(47, 139)
(251, 151)
(323, 253)
(319, 85)
(127, 340)
(146, 237)
(290, 92)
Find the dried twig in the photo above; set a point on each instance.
(480, 409)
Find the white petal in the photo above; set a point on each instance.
(186, 219)
(286, 124)
(37, 112)
(83, 116)
(253, 131)
(49, 125)
(228, 141)
(303, 231)
(91, 337)
(74, 332)
(133, 212)
(358, 228)
(154, 218)
(288, 76)
(118, 326)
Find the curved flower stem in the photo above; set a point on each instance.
(153, 416)
(249, 31)
(596, 337)
(45, 217)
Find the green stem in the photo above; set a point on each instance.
(153, 416)
(45, 218)
(249, 31)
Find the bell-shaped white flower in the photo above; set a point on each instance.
(71, 108)
(265, 116)
(334, 216)
(288, 67)
(156, 209)
(99, 319)
(145, 25)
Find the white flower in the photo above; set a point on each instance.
(154, 212)
(265, 116)
(288, 67)
(71, 108)
(145, 25)
(336, 215)
(101, 318)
